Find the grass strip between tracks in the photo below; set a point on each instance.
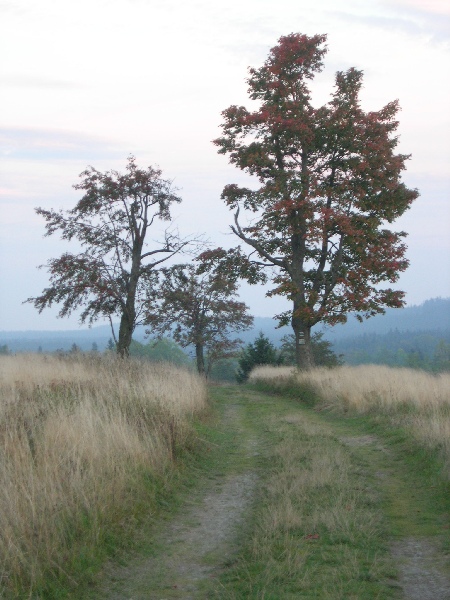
(335, 492)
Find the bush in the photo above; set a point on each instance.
(261, 352)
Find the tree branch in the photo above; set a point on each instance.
(238, 231)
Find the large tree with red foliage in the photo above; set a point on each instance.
(330, 185)
(115, 271)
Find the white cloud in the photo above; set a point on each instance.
(30, 81)
(48, 144)
(93, 81)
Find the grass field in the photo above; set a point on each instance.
(416, 401)
(86, 446)
(342, 464)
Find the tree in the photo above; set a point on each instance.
(261, 352)
(329, 188)
(225, 369)
(415, 360)
(161, 350)
(110, 346)
(322, 352)
(112, 274)
(441, 358)
(199, 308)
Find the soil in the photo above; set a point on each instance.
(422, 575)
(195, 545)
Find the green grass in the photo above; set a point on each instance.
(323, 516)
(318, 530)
(392, 488)
(156, 498)
(416, 491)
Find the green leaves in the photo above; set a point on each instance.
(261, 352)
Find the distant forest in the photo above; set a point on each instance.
(429, 350)
(416, 336)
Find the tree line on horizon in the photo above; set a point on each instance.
(424, 350)
(317, 227)
(428, 350)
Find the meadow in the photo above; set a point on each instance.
(413, 400)
(93, 449)
(86, 446)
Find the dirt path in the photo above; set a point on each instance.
(423, 569)
(196, 546)
(193, 546)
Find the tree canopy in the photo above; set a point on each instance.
(115, 270)
(329, 186)
(199, 308)
(260, 352)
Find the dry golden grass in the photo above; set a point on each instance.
(79, 438)
(414, 399)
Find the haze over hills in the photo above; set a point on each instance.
(431, 316)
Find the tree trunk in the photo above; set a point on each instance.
(128, 318)
(125, 335)
(200, 359)
(303, 353)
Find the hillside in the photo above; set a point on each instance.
(417, 337)
(431, 316)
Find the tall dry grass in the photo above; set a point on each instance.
(81, 441)
(413, 399)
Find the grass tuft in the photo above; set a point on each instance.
(85, 443)
(416, 401)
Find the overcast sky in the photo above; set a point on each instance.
(92, 81)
